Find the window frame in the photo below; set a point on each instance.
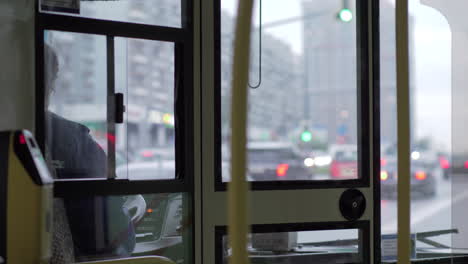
(363, 89)
(183, 103)
(363, 228)
(370, 96)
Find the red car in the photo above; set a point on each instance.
(344, 165)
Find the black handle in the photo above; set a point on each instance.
(119, 108)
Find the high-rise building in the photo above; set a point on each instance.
(331, 74)
(275, 106)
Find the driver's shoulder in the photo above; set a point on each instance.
(72, 128)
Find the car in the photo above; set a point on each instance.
(274, 160)
(153, 154)
(344, 163)
(444, 163)
(423, 181)
(459, 164)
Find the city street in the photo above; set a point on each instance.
(427, 214)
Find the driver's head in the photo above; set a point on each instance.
(51, 67)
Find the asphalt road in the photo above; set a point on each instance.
(446, 210)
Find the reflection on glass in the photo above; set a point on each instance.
(104, 227)
(327, 246)
(75, 101)
(144, 73)
(302, 119)
(152, 12)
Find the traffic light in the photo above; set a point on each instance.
(345, 14)
(306, 136)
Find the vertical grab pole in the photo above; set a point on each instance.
(404, 136)
(237, 188)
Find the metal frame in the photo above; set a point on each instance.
(110, 40)
(403, 132)
(183, 105)
(375, 40)
(363, 118)
(4, 149)
(362, 226)
(441, 260)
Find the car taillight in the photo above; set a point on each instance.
(147, 154)
(466, 164)
(383, 162)
(383, 175)
(282, 169)
(420, 175)
(444, 163)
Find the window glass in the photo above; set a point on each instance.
(144, 73)
(104, 227)
(450, 36)
(433, 196)
(76, 104)
(152, 12)
(430, 102)
(325, 246)
(302, 118)
(388, 131)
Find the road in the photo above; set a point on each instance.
(446, 210)
(427, 214)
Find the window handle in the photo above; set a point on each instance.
(119, 108)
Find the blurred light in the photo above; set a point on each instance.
(322, 161)
(383, 175)
(22, 139)
(168, 119)
(444, 163)
(309, 162)
(282, 169)
(147, 153)
(111, 138)
(306, 136)
(415, 155)
(344, 114)
(345, 15)
(420, 175)
(149, 210)
(466, 164)
(383, 162)
(265, 136)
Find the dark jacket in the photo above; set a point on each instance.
(101, 227)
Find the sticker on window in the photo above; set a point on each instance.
(64, 6)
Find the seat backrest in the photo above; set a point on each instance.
(62, 242)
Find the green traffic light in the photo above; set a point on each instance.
(345, 15)
(306, 136)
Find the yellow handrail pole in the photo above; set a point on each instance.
(237, 188)
(403, 116)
